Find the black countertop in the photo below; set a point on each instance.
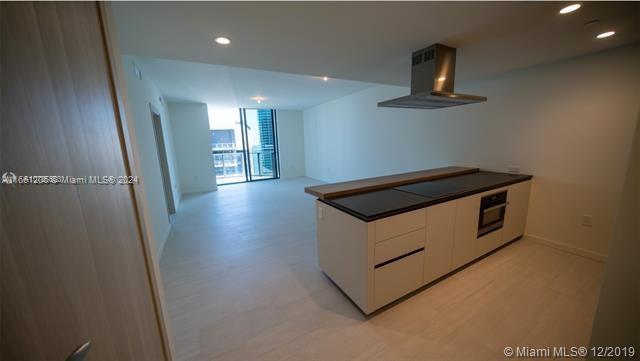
(388, 202)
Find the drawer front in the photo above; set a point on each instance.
(400, 224)
(398, 278)
(489, 242)
(398, 246)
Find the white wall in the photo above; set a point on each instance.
(616, 319)
(568, 123)
(142, 97)
(290, 143)
(190, 123)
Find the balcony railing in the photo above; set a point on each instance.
(262, 164)
(230, 164)
(217, 146)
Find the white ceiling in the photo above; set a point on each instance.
(224, 86)
(370, 41)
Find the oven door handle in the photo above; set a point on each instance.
(501, 205)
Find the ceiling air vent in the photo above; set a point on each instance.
(417, 59)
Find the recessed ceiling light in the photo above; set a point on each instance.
(605, 34)
(222, 40)
(325, 78)
(569, 9)
(259, 99)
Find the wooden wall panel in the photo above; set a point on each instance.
(73, 263)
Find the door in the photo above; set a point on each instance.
(164, 164)
(261, 145)
(516, 214)
(227, 145)
(439, 241)
(465, 235)
(73, 258)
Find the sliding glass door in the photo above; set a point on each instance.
(260, 135)
(244, 144)
(227, 145)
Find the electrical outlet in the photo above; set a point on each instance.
(587, 220)
(515, 169)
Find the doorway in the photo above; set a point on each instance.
(244, 143)
(164, 164)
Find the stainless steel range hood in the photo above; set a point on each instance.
(432, 76)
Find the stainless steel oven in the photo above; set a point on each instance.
(492, 210)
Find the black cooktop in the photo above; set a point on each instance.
(433, 189)
(374, 205)
(376, 202)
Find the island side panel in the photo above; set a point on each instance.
(343, 252)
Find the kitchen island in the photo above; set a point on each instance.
(382, 241)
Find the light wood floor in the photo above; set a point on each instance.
(242, 283)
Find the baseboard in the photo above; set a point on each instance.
(571, 249)
(195, 192)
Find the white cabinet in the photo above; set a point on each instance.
(398, 246)
(466, 230)
(488, 242)
(516, 213)
(396, 279)
(439, 240)
(398, 256)
(375, 263)
(345, 252)
(399, 224)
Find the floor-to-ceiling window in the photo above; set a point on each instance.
(244, 144)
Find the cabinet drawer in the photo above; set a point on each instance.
(400, 224)
(398, 278)
(398, 246)
(489, 242)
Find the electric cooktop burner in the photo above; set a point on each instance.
(433, 189)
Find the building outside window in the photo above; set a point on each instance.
(243, 144)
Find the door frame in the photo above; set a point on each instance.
(161, 147)
(133, 167)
